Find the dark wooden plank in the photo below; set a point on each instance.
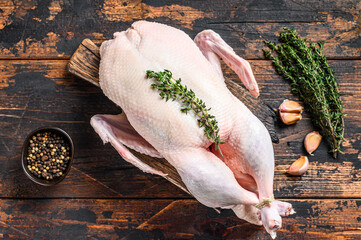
(169, 219)
(53, 29)
(38, 93)
(74, 219)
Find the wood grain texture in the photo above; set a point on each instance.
(53, 29)
(84, 63)
(168, 219)
(104, 197)
(43, 93)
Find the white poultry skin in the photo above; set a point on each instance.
(240, 179)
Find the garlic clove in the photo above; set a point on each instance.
(299, 166)
(312, 141)
(290, 112)
(290, 118)
(290, 107)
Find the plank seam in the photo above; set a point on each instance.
(165, 198)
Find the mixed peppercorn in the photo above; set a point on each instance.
(48, 155)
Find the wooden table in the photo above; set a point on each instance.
(104, 197)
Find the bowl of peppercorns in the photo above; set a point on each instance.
(47, 155)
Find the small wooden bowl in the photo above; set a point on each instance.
(24, 155)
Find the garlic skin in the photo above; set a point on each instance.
(299, 166)
(312, 141)
(290, 112)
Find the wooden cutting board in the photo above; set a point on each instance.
(84, 63)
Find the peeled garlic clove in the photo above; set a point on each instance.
(290, 107)
(290, 118)
(299, 166)
(312, 141)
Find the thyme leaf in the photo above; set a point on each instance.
(172, 89)
(312, 79)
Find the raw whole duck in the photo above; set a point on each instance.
(243, 178)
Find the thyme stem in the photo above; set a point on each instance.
(171, 88)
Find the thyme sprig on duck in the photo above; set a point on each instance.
(312, 79)
(171, 88)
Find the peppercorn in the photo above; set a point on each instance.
(48, 155)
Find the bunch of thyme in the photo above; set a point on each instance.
(171, 88)
(312, 79)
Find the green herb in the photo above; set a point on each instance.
(312, 79)
(171, 88)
